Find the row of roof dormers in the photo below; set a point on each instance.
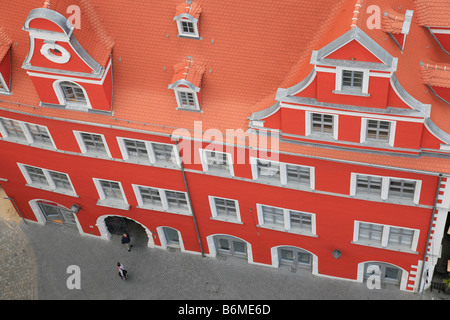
(85, 59)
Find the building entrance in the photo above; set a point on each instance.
(119, 225)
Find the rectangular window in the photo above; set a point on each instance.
(224, 209)
(386, 188)
(39, 134)
(47, 179)
(176, 200)
(371, 232)
(136, 149)
(400, 237)
(187, 100)
(217, 162)
(286, 220)
(188, 27)
(150, 196)
(163, 152)
(284, 174)
(111, 194)
(401, 189)
(378, 130)
(161, 199)
(147, 152)
(368, 185)
(352, 79)
(268, 169)
(322, 123)
(385, 236)
(92, 144)
(298, 174)
(12, 129)
(111, 190)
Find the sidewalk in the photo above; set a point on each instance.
(171, 275)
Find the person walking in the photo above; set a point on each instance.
(122, 271)
(126, 240)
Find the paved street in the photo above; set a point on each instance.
(37, 257)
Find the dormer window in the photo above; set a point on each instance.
(186, 84)
(352, 81)
(72, 95)
(187, 18)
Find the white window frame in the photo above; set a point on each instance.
(283, 173)
(184, 34)
(339, 86)
(385, 183)
(83, 148)
(150, 151)
(212, 205)
(177, 91)
(28, 135)
(286, 220)
(70, 105)
(164, 202)
(112, 203)
(205, 165)
(308, 125)
(364, 127)
(385, 237)
(51, 184)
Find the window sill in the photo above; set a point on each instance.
(306, 233)
(379, 246)
(351, 93)
(185, 36)
(160, 209)
(189, 109)
(42, 187)
(113, 204)
(404, 202)
(226, 220)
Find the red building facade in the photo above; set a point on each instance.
(324, 150)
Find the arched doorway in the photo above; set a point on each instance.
(51, 212)
(112, 226)
(224, 246)
(388, 274)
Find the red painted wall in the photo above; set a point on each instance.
(5, 68)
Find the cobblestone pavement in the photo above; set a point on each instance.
(18, 276)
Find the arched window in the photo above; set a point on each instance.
(73, 93)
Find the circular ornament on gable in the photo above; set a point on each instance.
(55, 53)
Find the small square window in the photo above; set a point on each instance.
(322, 123)
(378, 130)
(187, 100)
(352, 79)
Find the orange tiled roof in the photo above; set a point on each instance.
(92, 34)
(393, 22)
(189, 70)
(250, 52)
(193, 9)
(5, 42)
(434, 13)
(436, 75)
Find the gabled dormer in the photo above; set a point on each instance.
(352, 99)
(437, 78)
(5, 62)
(187, 17)
(397, 25)
(187, 84)
(69, 68)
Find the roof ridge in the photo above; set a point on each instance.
(356, 12)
